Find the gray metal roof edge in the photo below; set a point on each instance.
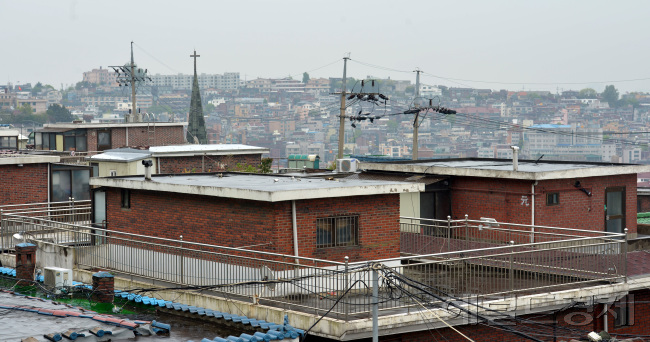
(257, 195)
(113, 125)
(90, 159)
(261, 150)
(603, 170)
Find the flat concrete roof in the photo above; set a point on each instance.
(15, 159)
(209, 149)
(267, 188)
(502, 168)
(128, 155)
(111, 125)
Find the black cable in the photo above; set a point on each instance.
(328, 311)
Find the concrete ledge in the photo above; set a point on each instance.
(407, 321)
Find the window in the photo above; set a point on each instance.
(70, 181)
(103, 140)
(553, 198)
(337, 231)
(623, 312)
(126, 198)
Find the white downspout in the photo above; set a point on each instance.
(158, 164)
(49, 181)
(295, 230)
(127, 136)
(532, 212)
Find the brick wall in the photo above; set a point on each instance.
(378, 226)
(207, 163)
(140, 136)
(26, 184)
(236, 223)
(643, 203)
(509, 200)
(583, 320)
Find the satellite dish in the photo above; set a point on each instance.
(267, 274)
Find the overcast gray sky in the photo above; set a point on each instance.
(523, 42)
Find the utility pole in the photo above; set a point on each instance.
(129, 75)
(416, 124)
(342, 112)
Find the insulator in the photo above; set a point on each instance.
(351, 96)
(383, 97)
(360, 96)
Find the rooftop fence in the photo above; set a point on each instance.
(481, 259)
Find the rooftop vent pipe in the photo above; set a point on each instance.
(515, 158)
(147, 169)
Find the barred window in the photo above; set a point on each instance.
(337, 231)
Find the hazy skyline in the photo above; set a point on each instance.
(516, 43)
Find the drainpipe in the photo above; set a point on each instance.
(295, 230)
(127, 136)
(515, 158)
(158, 164)
(49, 182)
(532, 212)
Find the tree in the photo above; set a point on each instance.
(26, 110)
(58, 113)
(210, 108)
(37, 88)
(610, 95)
(587, 93)
(392, 126)
(81, 85)
(265, 165)
(305, 77)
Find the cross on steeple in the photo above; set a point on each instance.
(194, 56)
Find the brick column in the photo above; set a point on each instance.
(25, 261)
(103, 287)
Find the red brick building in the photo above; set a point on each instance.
(86, 137)
(177, 159)
(37, 179)
(592, 196)
(24, 178)
(334, 219)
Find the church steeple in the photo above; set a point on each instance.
(196, 125)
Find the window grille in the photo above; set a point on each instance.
(337, 231)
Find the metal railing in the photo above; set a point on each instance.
(456, 258)
(31, 214)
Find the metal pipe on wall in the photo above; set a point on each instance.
(294, 223)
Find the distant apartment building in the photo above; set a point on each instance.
(100, 76)
(317, 85)
(631, 155)
(270, 85)
(38, 105)
(567, 142)
(429, 91)
(7, 100)
(229, 80)
(105, 100)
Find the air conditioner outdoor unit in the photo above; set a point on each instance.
(57, 277)
(347, 165)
